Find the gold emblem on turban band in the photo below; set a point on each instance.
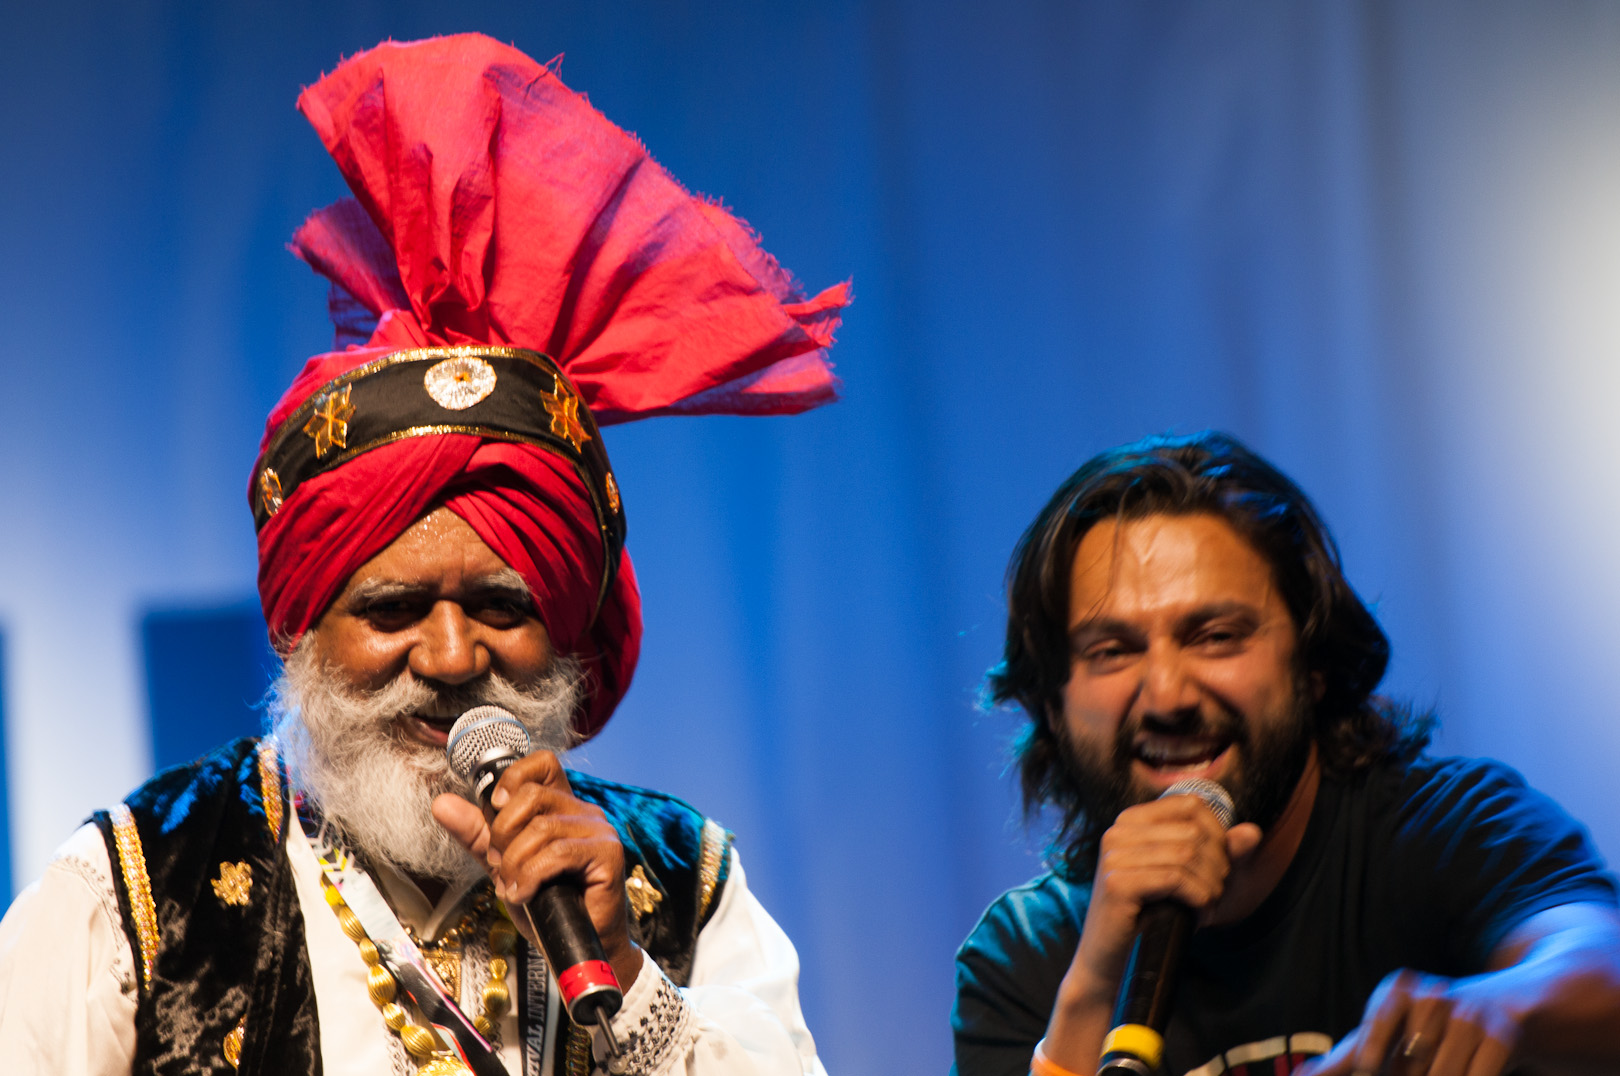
(563, 407)
(329, 425)
(270, 490)
(457, 383)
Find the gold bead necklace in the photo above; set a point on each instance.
(420, 1041)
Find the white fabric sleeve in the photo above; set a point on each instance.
(67, 976)
(739, 1017)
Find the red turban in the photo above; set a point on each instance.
(495, 209)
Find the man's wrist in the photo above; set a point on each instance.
(1080, 1017)
(1083, 994)
(652, 1027)
(627, 965)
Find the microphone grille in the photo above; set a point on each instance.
(1217, 798)
(478, 732)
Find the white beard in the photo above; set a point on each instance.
(346, 749)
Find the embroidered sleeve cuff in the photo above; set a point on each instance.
(652, 1027)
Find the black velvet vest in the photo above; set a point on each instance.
(214, 923)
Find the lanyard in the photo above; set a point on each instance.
(400, 955)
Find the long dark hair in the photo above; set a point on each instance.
(1206, 473)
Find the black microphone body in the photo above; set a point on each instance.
(483, 744)
(1135, 1044)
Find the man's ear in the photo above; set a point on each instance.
(1052, 714)
(1318, 685)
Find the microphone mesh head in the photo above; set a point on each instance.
(1218, 799)
(479, 731)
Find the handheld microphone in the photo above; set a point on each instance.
(1135, 1044)
(484, 741)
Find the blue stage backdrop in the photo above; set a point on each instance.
(1379, 241)
(207, 671)
(5, 795)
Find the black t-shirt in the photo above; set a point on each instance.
(1427, 865)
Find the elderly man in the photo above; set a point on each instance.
(439, 528)
(1177, 611)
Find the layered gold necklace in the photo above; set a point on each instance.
(431, 1055)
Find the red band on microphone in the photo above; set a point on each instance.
(583, 976)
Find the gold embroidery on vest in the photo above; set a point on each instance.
(714, 847)
(234, 884)
(270, 787)
(233, 1043)
(643, 896)
(577, 1057)
(132, 861)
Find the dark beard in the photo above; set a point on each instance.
(1268, 770)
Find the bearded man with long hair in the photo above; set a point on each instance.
(439, 529)
(1177, 613)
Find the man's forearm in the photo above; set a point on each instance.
(1566, 986)
(1080, 1018)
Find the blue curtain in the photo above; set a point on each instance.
(1379, 241)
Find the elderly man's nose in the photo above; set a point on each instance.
(449, 649)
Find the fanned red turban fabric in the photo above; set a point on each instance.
(494, 206)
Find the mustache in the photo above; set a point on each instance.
(414, 697)
(1222, 724)
(541, 706)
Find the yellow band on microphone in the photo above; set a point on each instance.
(1138, 1041)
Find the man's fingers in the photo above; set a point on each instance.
(1177, 860)
(1383, 1021)
(1336, 1062)
(462, 821)
(541, 768)
(1138, 883)
(1186, 809)
(1426, 1037)
(1416, 1025)
(544, 830)
(1207, 862)
(1451, 1055)
(1491, 1059)
(532, 801)
(559, 857)
(1242, 839)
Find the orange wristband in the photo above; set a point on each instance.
(1041, 1065)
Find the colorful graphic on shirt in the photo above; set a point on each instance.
(1277, 1056)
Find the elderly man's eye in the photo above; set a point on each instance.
(392, 613)
(504, 611)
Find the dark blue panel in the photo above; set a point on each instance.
(206, 672)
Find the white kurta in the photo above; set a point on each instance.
(68, 982)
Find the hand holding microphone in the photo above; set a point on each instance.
(1161, 866)
(1135, 1040)
(541, 833)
